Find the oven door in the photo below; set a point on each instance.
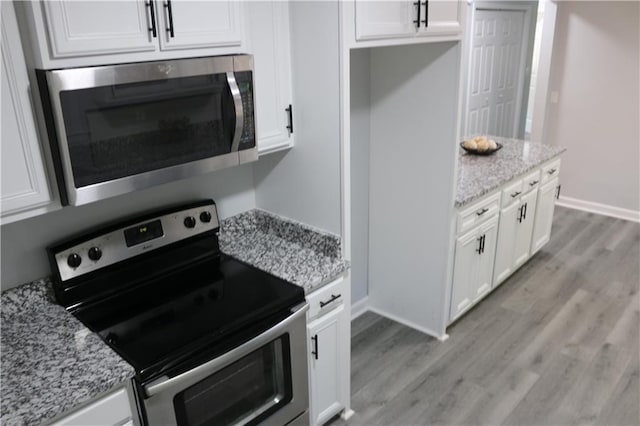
(263, 381)
(126, 127)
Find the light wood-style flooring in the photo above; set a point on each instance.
(556, 344)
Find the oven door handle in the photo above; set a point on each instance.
(200, 372)
(237, 104)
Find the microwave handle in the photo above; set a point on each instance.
(210, 367)
(237, 103)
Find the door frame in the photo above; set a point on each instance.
(526, 56)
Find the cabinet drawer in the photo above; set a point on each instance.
(113, 409)
(512, 193)
(550, 171)
(531, 181)
(478, 213)
(326, 299)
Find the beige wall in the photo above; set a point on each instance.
(596, 70)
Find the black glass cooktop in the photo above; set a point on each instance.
(215, 301)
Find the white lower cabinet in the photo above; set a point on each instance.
(328, 351)
(473, 268)
(113, 409)
(514, 236)
(325, 371)
(544, 215)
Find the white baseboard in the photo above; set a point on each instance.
(441, 337)
(597, 208)
(360, 307)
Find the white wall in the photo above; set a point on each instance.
(360, 131)
(313, 197)
(23, 256)
(595, 69)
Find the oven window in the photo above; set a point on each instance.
(244, 392)
(122, 130)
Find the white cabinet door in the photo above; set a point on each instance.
(24, 180)
(268, 23)
(544, 215)
(80, 28)
(324, 367)
(484, 273)
(464, 273)
(382, 19)
(111, 410)
(194, 24)
(507, 230)
(443, 17)
(522, 247)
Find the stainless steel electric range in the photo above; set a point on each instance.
(213, 340)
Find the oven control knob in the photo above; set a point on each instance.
(95, 253)
(189, 222)
(205, 217)
(74, 260)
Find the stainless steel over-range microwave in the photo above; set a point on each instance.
(120, 128)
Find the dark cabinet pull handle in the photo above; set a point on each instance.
(483, 211)
(152, 10)
(484, 238)
(167, 6)
(558, 192)
(533, 182)
(524, 214)
(552, 171)
(425, 21)
(289, 111)
(479, 249)
(520, 214)
(333, 297)
(417, 22)
(314, 352)
(515, 194)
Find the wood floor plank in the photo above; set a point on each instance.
(622, 408)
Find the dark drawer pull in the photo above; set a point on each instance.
(552, 171)
(533, 182)
(417, 22)
(333, 297)
(515, 194)
(483, 211)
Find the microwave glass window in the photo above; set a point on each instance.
(244, 392)
(123, 130)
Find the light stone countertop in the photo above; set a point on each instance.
(285, 248)
(51, 363)
(479, 175)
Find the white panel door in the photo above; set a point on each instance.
(382, 19)
(81, 28)
(193, 24)
(440, 17)
(464, 273)
(495, 72)
(24, 181)
(507, 230)
(325, 371)
(544, 215)
(268, 22)
(484, 273)
(522, 248)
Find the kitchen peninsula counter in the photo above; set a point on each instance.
(479, 175)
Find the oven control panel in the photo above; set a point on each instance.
(135, 239)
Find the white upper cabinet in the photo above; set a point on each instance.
(196, 24)
(402, 18)
(385, 19)
(98, 27)
(271, 49)
(24, 180)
